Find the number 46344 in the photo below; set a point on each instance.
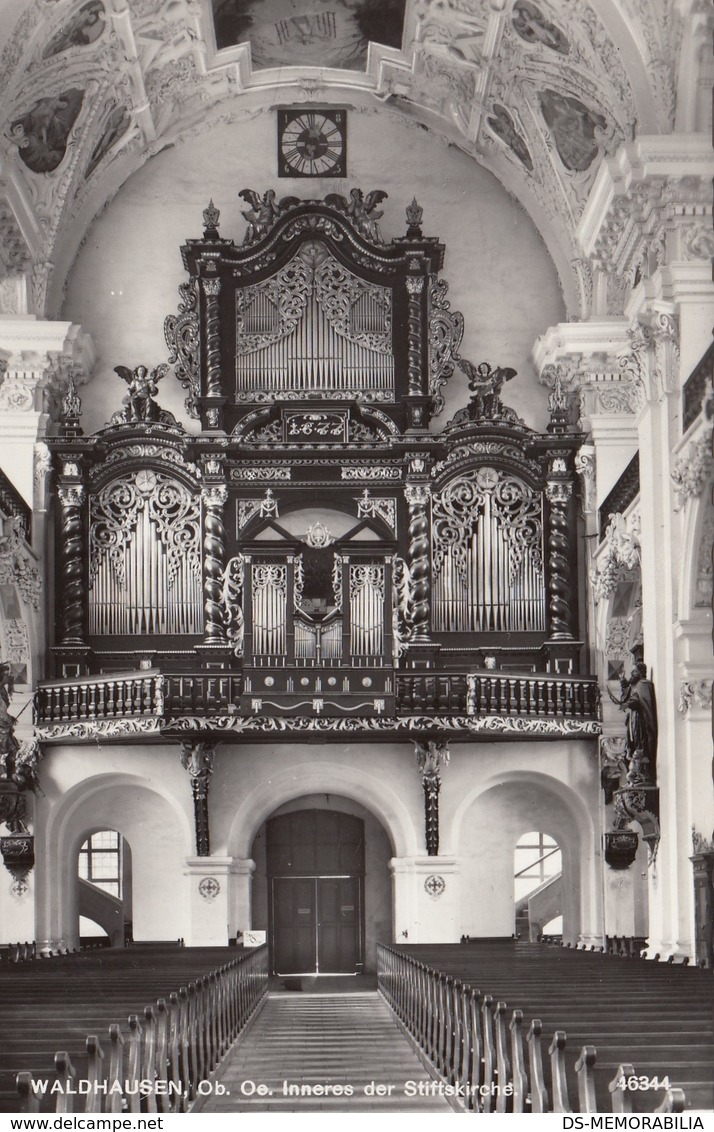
(635, 1084)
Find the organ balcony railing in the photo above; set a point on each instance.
(167, 697)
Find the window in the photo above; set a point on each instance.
(537, 859)
(100, 861)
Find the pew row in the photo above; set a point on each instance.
(160, 1060)
(488, 1060)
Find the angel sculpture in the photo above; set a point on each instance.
(361, 211)
(263, 213)
(485, 384)
(143, 387)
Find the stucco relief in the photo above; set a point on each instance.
(82, 29)
(692, 470)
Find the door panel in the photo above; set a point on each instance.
(339, 927)
(294, 924)
(315, 862)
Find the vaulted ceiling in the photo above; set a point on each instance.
(540, 92)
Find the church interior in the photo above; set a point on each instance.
(355, 476)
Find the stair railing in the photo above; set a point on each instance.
(158, 1064)
(466, 1038)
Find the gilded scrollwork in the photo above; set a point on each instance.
(232, 603)
(355, 309)
(446, 329)
(182, 339)
(171, 509)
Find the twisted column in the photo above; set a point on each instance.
(211, 289)
(214, 498)
(417, 496)
(559, 589)
(431, 756)
(415, 286)
(72, 564)
(197, 759)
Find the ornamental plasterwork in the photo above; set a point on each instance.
(585, 466)
(612, 750)
(693, 470)
(705, 567)
(695, 693)
(617, 638)
(620, 557)
(653, 358)
(17, 565)
(16, 644)
(41, 469)
(15, 255)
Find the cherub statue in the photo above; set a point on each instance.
(143, 387)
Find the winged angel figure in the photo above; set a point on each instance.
(263, 212)
(361, 211)
(139, 402)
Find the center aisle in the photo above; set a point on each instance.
(348, 1044)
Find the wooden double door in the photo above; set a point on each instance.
(316, 877)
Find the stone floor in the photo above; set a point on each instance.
(323, 1051)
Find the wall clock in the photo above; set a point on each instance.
(312, 142)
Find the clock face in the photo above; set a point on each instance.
(312, 143)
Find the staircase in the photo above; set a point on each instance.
(48, 1005)
(655, 1016)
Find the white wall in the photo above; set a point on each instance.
(125, 278)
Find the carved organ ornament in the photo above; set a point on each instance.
(315, 534)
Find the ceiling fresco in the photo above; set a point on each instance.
(540, 92)
(327, 33)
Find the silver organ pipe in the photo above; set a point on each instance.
(145, 575)
(269, 610)
(366, 610)
(318, 642)
(310, 353)
(488, 566)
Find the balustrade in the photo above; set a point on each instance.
(466, 1038)
(175, 1045)
(205, 693)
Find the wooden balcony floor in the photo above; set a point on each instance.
(322, 1039)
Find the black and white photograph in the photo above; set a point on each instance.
(356, 562)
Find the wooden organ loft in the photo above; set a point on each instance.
(314, 556)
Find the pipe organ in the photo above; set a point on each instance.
(144, 558)
(318, 529)
(314, 328)
(487, 554)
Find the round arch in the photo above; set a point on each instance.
(159, 835)
(375, 794)
(486, 827)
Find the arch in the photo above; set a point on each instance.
(160, 837)
(486, 826)
(368, 881)
(307, 777)
(697, 535)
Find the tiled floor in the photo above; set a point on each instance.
(323, 1052)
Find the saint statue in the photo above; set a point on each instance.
(638, 702)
